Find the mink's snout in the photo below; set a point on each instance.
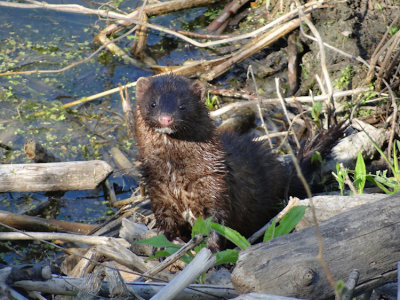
(165, 120)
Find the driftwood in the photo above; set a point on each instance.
(75, 175)
(86, 239)
(366, 238)
(329, 206)
(259, 296)
(199, 265)
(25, 222)
(70, 286)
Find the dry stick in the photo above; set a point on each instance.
(304, 99)
(272, 135)
(202, 35)
(36, 236)
(349, 183)
(128, 113)
(286, 112)
(74, 8)
(394, 41)
(87, 239)
(254, 46)
(289, 130)
(116, 50)
(376, 54)
(200, 264)
(99, 95)
(321, 85)
(330, 103)
(394, 118)
(230, 9)
(250, 72)
(351, 284)
(139, 44)
(35, 223)
(309, 195)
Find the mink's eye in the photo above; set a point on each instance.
(182, 107)
(153, 104)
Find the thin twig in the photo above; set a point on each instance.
(285, 111)
(394, 120)
(350, 284)
(74, 8)
(317, 228)
(250, 72)
(330, 103)
(303, 99)
(87, 239)
(195, 241)
(377, 52)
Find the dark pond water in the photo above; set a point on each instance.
(31, 105)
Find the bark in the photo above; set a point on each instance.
(366, 238)
(65, 176)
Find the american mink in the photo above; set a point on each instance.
(191, 170)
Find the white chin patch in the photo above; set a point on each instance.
(188, 216)
(165, 130)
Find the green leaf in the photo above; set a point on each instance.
(360, 173)
(270, 231)
(227, 256)
(158, 241)
(316, 110)
(290, 220)
(395, 161)
(232, 235)
(341, 177)
(287, 223)
(316, 158)
(202, 226)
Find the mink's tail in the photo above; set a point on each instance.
(310, 158)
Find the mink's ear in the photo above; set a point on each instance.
(199, 89)
(142, 85)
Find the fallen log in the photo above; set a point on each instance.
(44, 177)
(70, 286)
(366, 238)
(328, 206)
(24, 222)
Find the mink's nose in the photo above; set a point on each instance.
(165, 120)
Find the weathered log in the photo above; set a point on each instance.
(70, 286)
(68, 237)
(200, 264)
(328, 206)
(74, 175)
(25, 222)
(366, 238)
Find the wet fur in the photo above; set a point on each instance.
(194, 171)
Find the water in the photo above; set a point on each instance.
(31, 105)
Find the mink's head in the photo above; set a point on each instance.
(172, 105)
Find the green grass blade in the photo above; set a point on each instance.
(231, 234)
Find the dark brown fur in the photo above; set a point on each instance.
(190, 170)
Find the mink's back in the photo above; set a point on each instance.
(255, 182)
